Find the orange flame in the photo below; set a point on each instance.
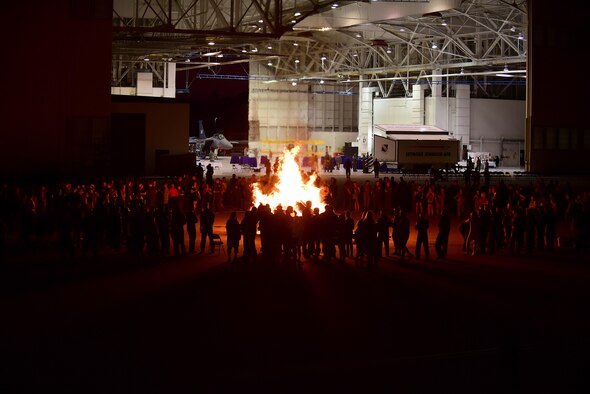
(290, 189)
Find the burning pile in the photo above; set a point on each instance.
(288, 187)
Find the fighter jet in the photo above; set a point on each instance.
(203, 145)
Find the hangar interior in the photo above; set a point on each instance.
(338, 68)
(318, 71)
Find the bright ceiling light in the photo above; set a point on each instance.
(321, 81)
(520, 36)
(293, 21)
(220, 55)
(354, 55)
(462, 71)
(298, 14)
(334, 6)
(358, 35)
(434, 46)
(244, 51)
(254, 49)
(296, 60)
(294, 83)
(269, 64)
(402, 29)
(323, 58)
(505, 68)
(269, 47)
(443, 22)
(147, 59)
(211, 43)
(388, 50)
(260, 21)
(295, 44)
(187, 61)
(513, 29)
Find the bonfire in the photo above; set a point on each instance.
(289, 187)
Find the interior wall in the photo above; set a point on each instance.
(55, 115)
(281, 112)
(392, 111)
(498, 118)
(166, 127)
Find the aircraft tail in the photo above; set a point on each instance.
(202, 135)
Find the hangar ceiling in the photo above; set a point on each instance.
(380, 42)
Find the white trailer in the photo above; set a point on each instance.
(418, 152)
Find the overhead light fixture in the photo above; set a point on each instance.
(504, 75)
(260, 21)
(293, 21)
(462, 70)
(323, 58)
(220, 55)
(334, 5)
(211, 43)
(434, 46)
(187, 61)
(213, 53)
(443, 22)
(402, 29)
(354, 55)
(294, 83)
(298, 14)
(321, 81)
(358, 35)
(254, 49)
(505, 68)
(296, 61)
(147, 59)
(269, 47)
(513, 29)
(520, 36)
(388, 50)
(244, 50)
(269, 64)
(295, 44)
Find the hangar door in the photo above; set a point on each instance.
(510, 154)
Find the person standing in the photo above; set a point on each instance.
(234, 234)
(376, 168)
(442, 239)
(383, 224)
(422, 237)
(347, 166)
(209, 175)
(207, 219)
(191, 229)
(177, 231)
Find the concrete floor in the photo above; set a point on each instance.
(128, 323)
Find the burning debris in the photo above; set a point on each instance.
(289, 187)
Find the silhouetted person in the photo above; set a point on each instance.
(376, 168)
(177, 230)
(248, 227)
(234, 234)
(442, 239)
(422, 236)
(191, 229)
(207, 219)
(209, 175)
(383, 224)
(402, 234)
(347, 166)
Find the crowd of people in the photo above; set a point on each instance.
(360, 221)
